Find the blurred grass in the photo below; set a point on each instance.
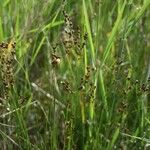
(47, 116)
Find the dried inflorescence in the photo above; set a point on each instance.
(71, 36)
(67, 86)
(73, 42)
(55, 59)
(87, 87)
(7, 64)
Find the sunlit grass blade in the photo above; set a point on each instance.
(115, 28)
(89, 30)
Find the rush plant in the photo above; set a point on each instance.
(78, 75)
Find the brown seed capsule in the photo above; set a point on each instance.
(128, 78)
(13, 45)
(81, 88)
(143, 87)
(85, 36)
(55, 60)
(137, 81)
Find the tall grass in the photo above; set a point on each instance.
(81, 74)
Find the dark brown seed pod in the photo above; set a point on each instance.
(128, 78)
(137, 81)
(85, 36)
(143, 87)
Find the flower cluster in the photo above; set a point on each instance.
(71, 36)
(7, 58)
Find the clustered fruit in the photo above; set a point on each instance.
(7, 59)
(71, 36)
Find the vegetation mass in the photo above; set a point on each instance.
(75, 74)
